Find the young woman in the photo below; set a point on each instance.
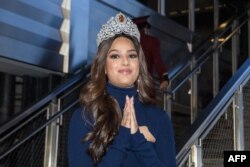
(118, 124)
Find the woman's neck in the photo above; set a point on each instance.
(119, 93)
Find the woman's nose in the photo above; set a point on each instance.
(125, 61)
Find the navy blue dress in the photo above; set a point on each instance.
(126, 150)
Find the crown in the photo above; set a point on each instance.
(117, 25)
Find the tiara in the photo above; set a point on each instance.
(117, 25)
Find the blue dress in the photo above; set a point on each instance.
(126, 150)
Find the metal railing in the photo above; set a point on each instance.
(204, 52)
(229, 96)
(33, 137)
(202, 55)
(191, 151)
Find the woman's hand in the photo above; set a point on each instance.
(129, 118)
(133, 121)
(126, 115)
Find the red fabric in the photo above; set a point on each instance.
(151, 49)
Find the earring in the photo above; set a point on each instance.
(138, 82)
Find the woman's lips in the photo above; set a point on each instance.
(125, 71)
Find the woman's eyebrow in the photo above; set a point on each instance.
(113, 50)
(131, 50)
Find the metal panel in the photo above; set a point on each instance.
(171, 28)
(30, 54)
(79, 30)
(30, 36)
(23, 28)
(44, 12)
(58, 2)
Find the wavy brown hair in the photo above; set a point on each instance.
(102, 107)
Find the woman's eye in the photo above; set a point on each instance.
(133, 56)
(114, 56)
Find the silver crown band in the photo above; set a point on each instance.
(117, 25)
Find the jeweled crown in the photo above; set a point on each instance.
(117, 25)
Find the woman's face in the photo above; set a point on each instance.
(122, 63)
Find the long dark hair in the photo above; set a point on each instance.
(103, 108)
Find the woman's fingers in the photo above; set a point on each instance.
(133, 122)
(129, 118)
(126, 114)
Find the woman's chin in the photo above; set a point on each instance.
(125, 85)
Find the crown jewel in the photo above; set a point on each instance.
(117, 25)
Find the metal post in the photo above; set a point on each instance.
(196, 154)
(194, 87)
(167, 104)
(194, 92)
(161, 7)
(191, 15)
(190, 163)
(238, 116)
(216, 53)
(235, 47)
(7, 94)
(216, 14)
(52, 137)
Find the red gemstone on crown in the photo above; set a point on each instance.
(121, 18)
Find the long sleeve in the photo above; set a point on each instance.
(77, 155)
(160, 154)
(165, 146)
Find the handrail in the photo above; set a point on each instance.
(205, 55)
(234, 31)
(49, 121)
(73, 80)
(213, 110)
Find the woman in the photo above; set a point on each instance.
(118, 124)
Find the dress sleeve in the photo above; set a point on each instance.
(77, 149)
(160, 154)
